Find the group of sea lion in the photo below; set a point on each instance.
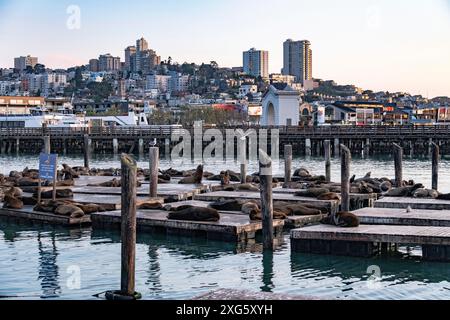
(67, 208)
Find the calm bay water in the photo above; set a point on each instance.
(41, 262)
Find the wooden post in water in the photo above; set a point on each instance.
(47, 145)
(327, 152)
(154, 167)
(86, 151)
(435, 167)
(398, 161)
(128, 236)
(243, 158)
(345, 178)
(287, 163)
(265, 175)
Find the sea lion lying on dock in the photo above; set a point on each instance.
(192, 213)
(195, 178)
(242, 187)
(228, 205)
(311, 192)
(11, 202)
(404, 191)
(60, 194)
(329, 196)
(27, 182)
(29, 201)
(342, 219)
(443, 196)
(425, 194)
(69, 173)
(69, 210)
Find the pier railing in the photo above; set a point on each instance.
(425, 131)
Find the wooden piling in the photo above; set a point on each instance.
(327, 152)
(435, 167)
(345, 178)
(154, 168)
(287, 163)
(243, 159)
(47, 145)
(86, 151)
(265, 173)
(398, 160)
(128, 235)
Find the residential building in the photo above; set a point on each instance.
(149, 60)
(19, 105)
(130, 54)
(245, 89)
(159, 82)
(109, 63)
(297, 59)
(179, 82)
(21, 63)
(256, 63)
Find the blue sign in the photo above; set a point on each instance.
(47, 166)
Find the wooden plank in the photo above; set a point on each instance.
(414, 203)
(231, 226)
(28, 214)
(413, 235)
(386, 216)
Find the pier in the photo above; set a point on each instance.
(416, 140)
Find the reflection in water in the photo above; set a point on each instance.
(267, 272)
(154, 271)
(48, 269)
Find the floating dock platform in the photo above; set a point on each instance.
(27, 214)
(231, 227)
(368, 240)
(388, 216)
(414, 203)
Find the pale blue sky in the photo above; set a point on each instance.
(401, 45)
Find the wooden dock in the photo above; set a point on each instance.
(387, 216)
(290, 222)
(231, 227)
(331, 205)
(414, 203)
(27, 214)
(367, 240)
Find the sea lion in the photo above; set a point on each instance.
(342, 219)
(302, 173)
(301, 210)
(195, 178)
(329, 196)
(444, 196)
(404, 191)
(11, 202)
(60, 194)
(385, 186)
(90, 208)
(425, 193)
(149, 205)
(29, 201)
(69, 210)
(191, 213)
(312, 192)
(114, 183)
(27, 182)
(227, 205)
(14, 192)
(246, 187)
(69, 173)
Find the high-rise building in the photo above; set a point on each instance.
(130, 53)
(298, 60)
(21, 63)
(141, 46)
(256, 63)
(149, 60)
(107, 62)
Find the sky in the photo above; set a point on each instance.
(401, 45)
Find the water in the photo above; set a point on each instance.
(54, 263)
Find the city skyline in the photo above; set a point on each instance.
(375, 45)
